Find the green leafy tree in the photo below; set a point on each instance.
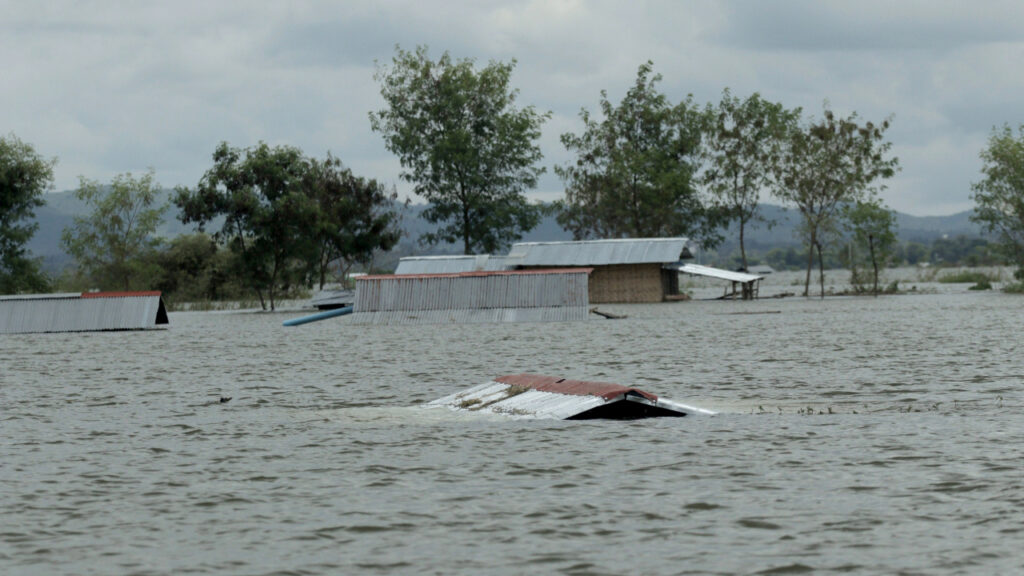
(744, 140)
(194, 268)
(914, 253)
(464, 145)
(24, 177)
(113, 245)
(355, 217)
(260, 193)
(871, 226)
(999, 196)
(634, 173)
(827, 164)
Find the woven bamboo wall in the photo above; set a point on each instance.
(626, 283)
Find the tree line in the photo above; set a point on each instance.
(280, 220)
(644, 167)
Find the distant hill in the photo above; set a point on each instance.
(924, 229)
(61, 207)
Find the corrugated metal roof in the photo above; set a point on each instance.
(536, 396)
(599, 252)
(451, 264)
(500, 296)
(490, 315)
(56, 296)
(699, 270)
(86, 312)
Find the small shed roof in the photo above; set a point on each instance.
(599, 252)
(85, 312)
(698, 270)
(537, 396)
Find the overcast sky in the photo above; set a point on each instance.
(113, 87)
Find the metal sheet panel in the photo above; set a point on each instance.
(599, 252)
(453, 264)
(535, 396)
(497, 263)
(495, 398)
(698, 270)
(82, 312)
(516, 296)
(491, 315)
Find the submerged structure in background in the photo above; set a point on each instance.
(536, 396)
(626, 270)
(623, 270)
(81, 312)
(744, 285)
(467, 297)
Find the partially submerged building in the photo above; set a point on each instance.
(466, 297)
(81, 312)
(628, 270)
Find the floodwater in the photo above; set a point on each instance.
(856, 436)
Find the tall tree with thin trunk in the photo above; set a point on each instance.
(355, 217)
(635, 169)
(24, 177)
(464, 145)
(1000, 194)
(871, 226)
(114, 244)
(269, 218)
(829, 163)
(744, 140)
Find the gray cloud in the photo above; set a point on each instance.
(868, 25)
(110, 88)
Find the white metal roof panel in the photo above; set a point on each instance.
(599, 252)
(452, 264)
(493, 397)
(698, 270)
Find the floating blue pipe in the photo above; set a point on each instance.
(318, 317)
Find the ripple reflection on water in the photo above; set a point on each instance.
(859, 436)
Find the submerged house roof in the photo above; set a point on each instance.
(451, 264)
(599, 252)
(536, 396)
(85, 312)
(496, 296)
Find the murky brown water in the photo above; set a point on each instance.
(116, 456)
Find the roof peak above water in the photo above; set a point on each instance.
(605, 241)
